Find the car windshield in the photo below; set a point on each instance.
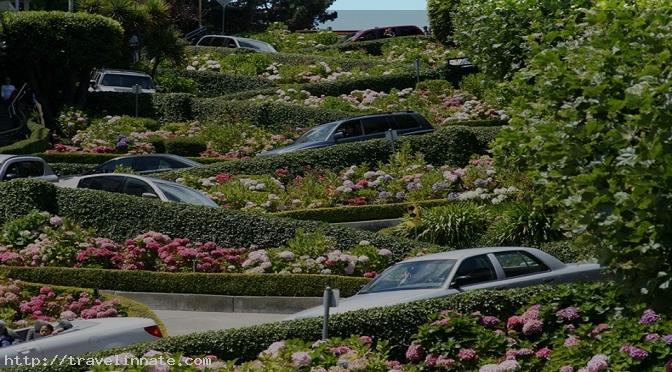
(181, 194)
(127, 81)
(319, 134)
(412, 275)
(257, 45)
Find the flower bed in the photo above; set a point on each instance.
(435, 99)
(405, 179)
(38, 239)
(21, 304)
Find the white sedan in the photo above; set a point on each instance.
(83, 337)
(445, 274)
(146, 187)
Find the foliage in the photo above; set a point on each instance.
(455, 225)
(37, 141)
(284, 40)
(522, 224)
(441, 18)
(173, 83)
(498, 35)
(590, 128)
(212, 84)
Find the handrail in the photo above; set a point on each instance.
(192, 34)
(12, 106)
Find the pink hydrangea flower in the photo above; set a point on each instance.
(490, 321)
(415, 353)
(568, 314)
(599, 329)
(668, 339)
(367, 340)
(598, 363)
(514, 322)
(571, 341)
(430, 360)
(301, 359)
(652, 337)
(649, 317)
(544, 353)
(533, 327)
(56, 221)
(566, 369)
(394, 364)
(444, 362)
(466, 354)
(634, 352)
(339, 350)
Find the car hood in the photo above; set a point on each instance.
(292, 148)
(371, 300)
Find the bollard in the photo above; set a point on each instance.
(329, 299)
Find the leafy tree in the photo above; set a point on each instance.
(593, 127)
(440, 17)
(55, 53)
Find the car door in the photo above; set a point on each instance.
(26, 169)
(111, 166)
(102, 183)
(476, 272)
(405, 124)
(146, 164)
(137, 187)
(375, 127)
(522, 269)
(351, 131)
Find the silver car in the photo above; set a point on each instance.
(83, 337)
(235, 42)
(444, 274)
(25, 166)
(146, 187)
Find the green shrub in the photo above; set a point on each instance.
(78, 158)
(119, 217)
(440, 18)
(498, 35)
(396, 324)
(456, 225)
(570, 251)
(451, 145)
(522, 224)
(168, 107)
(592, 130)
(71, 169)
(289, 285)
(212, 84)
(172, 83)
(372, 47)
(37, 141)
(185, 146)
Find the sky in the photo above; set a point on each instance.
(380, 5)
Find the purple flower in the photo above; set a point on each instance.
(490, 321)
(568, 314)
(649, 317)
(599, 329)
(430, 360)
(444, 362)
(415, 353)
(367, 340)
(544, 353)
(533, 327)
(571, 341)
(634, 352)
(301, 359)
(598, 363)
(566, 369)
(651, 337)
(340, 350)
(466, 354)
(668, 339)
(56, 221)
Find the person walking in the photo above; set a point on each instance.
(7, 91)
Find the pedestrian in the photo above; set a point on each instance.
(7, 91)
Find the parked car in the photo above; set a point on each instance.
(23, 166)
(355, 129)
(386, 32)
(150, 163)
(121, 81)
(445, 274)
(141, 186)
(235, 42)
(83, 337)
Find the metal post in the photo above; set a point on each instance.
(71, 5)
(326, 302)
(200, 13)
(417, 70)
(223, 18)
(136, 90)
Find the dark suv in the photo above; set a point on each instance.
(386, 32)
(355, 129)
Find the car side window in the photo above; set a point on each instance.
(111, 165)
(352, 128)
(375, 125)
(146, 163)
(475, 270)
(518, 263)
(105, 183)
(166, 164)
(137, 187)
(401, 122)
(26, 169)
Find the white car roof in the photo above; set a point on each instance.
(124, 72)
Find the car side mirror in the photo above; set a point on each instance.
(149, 195)
(338, 136)
(11, 176)
(92, 83)
(460, 281)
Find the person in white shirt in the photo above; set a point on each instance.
(7, 90)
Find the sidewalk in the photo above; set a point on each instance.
(185, 322)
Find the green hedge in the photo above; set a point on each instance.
(269, 115)
(213, 84)
(359, 213)
(290, 285)
(450, 145)
(97, 159)
(168, 107)
(71, 169)
(396, 324)
(372, 47)
(119, 217)
(37, 141)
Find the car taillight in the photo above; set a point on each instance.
(154, 331)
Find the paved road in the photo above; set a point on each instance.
(185, 322)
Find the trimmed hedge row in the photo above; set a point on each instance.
(290, 285)
(37, 141)
(359, 213)
(396, 324)
(372, 47)
(168, 107)
(269, 115)
(450, 145)
(119, 217)
(72, 169)
(213, 84)
(90, 158)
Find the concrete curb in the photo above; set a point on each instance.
(221, 304)
(374, 225)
